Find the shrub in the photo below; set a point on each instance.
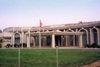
(1, 41)
(0, 45)
(8, 45)
(94, 45)
(16, 45)
(31, 44)
(24, 45)
(98, 46)
(87, 45)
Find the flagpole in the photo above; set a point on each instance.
(22, 36)
(13, 37)
(29, 34)
(39, 37)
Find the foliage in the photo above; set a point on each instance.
(8, 45)
(94, 45)
(0, 45)
(31, 44)
(1, 41)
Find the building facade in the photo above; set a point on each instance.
(65, 35)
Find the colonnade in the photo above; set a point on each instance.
(64, 38)
(61, 43)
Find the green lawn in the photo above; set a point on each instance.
(47, 57)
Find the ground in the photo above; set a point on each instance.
(47, 57)
(94, 64)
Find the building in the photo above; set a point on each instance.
(65, 35)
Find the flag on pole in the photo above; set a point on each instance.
(40, 23)
(41, 26)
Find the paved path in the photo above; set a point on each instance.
(98, 49)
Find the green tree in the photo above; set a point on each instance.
(1, 41)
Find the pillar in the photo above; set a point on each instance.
(13, 40)
(44, 40)
(91, 37)
(98, 36)
(87, 34)
(74, 40)
(28, 42)
(34, 41)
(22, 38)
(53, 40)
(66, 40)
(80, 41)
(62, 41)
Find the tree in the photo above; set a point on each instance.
(1, 41)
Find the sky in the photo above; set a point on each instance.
(20, 13)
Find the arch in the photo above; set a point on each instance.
(70, 40)
(69, 30)
(84, 36)
(58, 31)
(17, 39)
(95, 35)
(87, 34)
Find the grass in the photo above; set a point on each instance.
(47, 57)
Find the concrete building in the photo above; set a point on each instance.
(65, 35)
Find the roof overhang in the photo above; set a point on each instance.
(55, 33)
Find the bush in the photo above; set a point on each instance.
(20, 45)
(98, 46)
(16, 45)
(94, 45)
(24, 45)
(8, 45)
(87, 45)
(31, 44)
(0, 45)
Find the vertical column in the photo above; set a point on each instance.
(13, 39)
(34, 41)
(22, 38)
(45, 39)
(39, 39)
(53, 40)
(62, 41)
(28, 42)
(28, 39)
(98, 36)
(50, 40)
(80, 40)
(87, 33)
(66, 41)
(74, 40)
(91, 37)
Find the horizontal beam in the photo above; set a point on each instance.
(56, 33)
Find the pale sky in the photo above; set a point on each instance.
(19, 13)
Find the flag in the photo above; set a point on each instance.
(41, 26)
(40, 23)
